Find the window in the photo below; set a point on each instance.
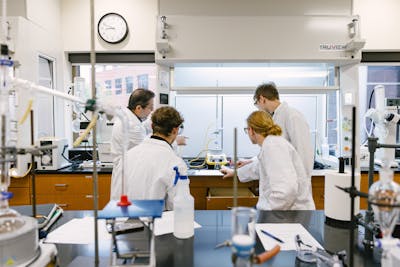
(105, 75)
(44, 104)
(118, 86)
(108, 87)
(371, 76)
(220, 114)
(223, 94)
(143, 81)
(129, 84)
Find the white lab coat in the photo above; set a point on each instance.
(150, 173)
(296, 130)
(137, 132)
(283, 183)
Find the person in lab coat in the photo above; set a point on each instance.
(295, 128)
(140, 105)
(294, 125)
(150, 173)
(283, 182)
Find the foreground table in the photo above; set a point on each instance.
(199, 251)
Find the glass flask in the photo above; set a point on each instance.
(243, 235)
(384, 197)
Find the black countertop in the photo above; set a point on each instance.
(199, 251)
(77, 170)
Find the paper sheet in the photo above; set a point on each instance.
(78, 231)
(209, 172)
(165, 224)
(286, 232)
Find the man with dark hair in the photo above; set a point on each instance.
(294, 125)
(140, 105)
(150, 173)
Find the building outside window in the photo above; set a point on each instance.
(129, 84)
(105, 75)
(118, 86)
(108, 87)
(143, 81)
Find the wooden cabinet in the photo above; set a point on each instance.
(75, 191)
(200, 186)
(72, 191)
(318, 191)
(21, 188)
(221, 198)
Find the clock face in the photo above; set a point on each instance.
(112, 28)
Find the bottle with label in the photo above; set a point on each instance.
(183, 207)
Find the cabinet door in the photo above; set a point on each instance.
(73, 202)
(72, 192)
(318, 191)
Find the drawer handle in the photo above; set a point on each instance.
(88, 177)
(60, 185)
(89, 196)
(63, 205)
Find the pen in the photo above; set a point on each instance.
(272, 236)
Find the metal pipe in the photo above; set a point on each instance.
(235, 182)
(45, 90)
(95, 176)
(352, 196)
(369, 215)
(32, 173)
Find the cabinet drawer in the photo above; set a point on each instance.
(20, 182)
(222, 198)
(73, 202)
(71, 184)
(21, 196)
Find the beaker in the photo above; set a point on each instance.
(243, 235)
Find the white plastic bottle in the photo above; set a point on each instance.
(183, 208)
(325, 148)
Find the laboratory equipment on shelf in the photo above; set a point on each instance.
(19, 241)
(137, 250)
(385, 118)
(215, 159)
(384, 197)
(52, 159)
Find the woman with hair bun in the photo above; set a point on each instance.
(283, 181)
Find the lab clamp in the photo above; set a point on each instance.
(162, 44)
(9, 152)
(383, 202)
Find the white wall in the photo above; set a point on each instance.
(34, 35)
(139, 14)
(380, 22)
(254, 7)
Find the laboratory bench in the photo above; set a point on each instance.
(199, 251)
(72, 189)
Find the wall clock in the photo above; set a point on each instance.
(112, 28)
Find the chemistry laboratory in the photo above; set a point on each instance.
(212, 133)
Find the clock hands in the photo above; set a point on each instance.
(108, 27)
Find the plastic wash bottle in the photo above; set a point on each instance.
(183, 207)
